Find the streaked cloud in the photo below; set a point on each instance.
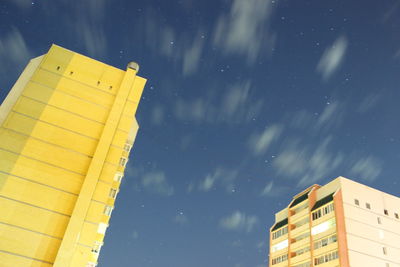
(156, 182)
(328, 114)
(195, 110)
(307, 163)
(82, 22)
(182, 49)
(245, 31)
(268, 189)
(135, 235)
(391, 12)
(333, 58)
(89, 26)
(234, 105)
(21, 3)
(14, 52)
(239, 221)
(181, 219)
(326, 120)
(237, 102)
(259, 142)
(157, 115)
(220, 177)
(168, 43)
(192, 55)
(92, 36)
(368, 103)
(367, 168)
(272, 189)
(397, 55)
(208, 183)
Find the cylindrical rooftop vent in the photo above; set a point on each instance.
(133, 65)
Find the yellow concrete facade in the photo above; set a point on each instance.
(66, 131)
(341, 224)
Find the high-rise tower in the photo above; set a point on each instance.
(340, 224)
(66, 130)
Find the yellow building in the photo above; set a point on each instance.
(341, 224)
(66, 130)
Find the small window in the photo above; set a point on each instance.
(123, 162)
(386, 212)
(118, 177)
(368, 206)
(71, 72)
(379, 220)
(113, 193)
(110, 87)
(58, 67)
(384, 250)
(127, 148)
(396, 215)
(357, 202)
(98, 83)
(102, 228)
(381, 234)
(108, 210)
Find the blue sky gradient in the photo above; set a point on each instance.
(247, 103)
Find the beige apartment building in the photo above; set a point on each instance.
(342, 223)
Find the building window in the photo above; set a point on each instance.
(326, 258)
(325, 241)
(305, 264)
(301, 237)
(279, 259)
(396, 215)
(280, 232)
(123, 162)
(322, 227)
(368, 206)
(112, 193)
(357, 202)
(322, 211)
(118, 177)
(108, 210)
(379, 220)
(302, 222)
(386, 212)
(302, 251)
(102, 228)
(280, 245)
(381, 234)
(127, 147)
(384, 251)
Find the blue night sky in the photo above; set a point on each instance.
(248, 102)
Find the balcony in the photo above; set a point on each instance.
(300, 243)
(298, 215)
(323, 250)
(281, 264)
(299, 229)
(302, 257)
(330, 263)
(279, 239)
(323, 218)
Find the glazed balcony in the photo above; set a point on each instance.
(299, 215)
(299, 258)
(299, 229)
